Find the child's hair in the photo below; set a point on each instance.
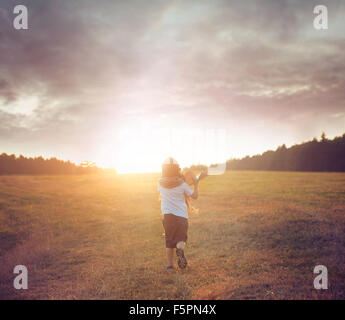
(171, 170)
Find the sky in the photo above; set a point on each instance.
(128, 83)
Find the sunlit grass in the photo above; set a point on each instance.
(258, 235)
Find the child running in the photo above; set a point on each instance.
(173, 191)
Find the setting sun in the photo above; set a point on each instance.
(137, 147)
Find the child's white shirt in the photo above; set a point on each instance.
(173, 200)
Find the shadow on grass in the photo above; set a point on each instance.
(298, 246)
(293, 236)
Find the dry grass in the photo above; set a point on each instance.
(258, 236)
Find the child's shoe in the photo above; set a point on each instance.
(182, 261)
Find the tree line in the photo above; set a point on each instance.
(11, 164)
(315, 155)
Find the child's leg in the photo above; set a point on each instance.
(180, 245)
(170, 256)
(181, 259)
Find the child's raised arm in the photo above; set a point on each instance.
(195, 194)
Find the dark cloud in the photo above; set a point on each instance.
(6, 92)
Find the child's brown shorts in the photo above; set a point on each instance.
(175, 230)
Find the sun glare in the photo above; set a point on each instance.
(134, 148)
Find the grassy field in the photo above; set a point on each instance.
(258, 235)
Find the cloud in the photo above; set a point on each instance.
(93, 64)
(6, 92)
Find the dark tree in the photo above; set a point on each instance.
(323, 155)
(10, 164)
